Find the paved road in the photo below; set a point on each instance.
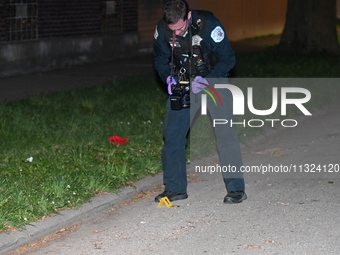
(290, 214)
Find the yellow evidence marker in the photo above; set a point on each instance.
(166, 201)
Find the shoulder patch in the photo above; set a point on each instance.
(155, 35)
(217, 34)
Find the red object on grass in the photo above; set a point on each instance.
(116, 140)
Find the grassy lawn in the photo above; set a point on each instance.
(55, 153)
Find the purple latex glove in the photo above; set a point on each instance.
(198, 83)
(170, 81)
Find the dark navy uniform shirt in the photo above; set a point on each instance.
(214, 39)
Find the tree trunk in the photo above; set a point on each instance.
(310, 25)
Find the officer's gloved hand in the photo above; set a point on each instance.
(198, 84)
(170, 81)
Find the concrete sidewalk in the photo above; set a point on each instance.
(27, 85)
(33, 84)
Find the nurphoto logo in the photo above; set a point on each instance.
(239, 105)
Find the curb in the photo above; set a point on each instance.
(36, 230)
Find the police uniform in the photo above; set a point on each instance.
(204, 42)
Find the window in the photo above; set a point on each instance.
(21, 20)
(110, 17)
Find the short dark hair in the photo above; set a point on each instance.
(174, 10)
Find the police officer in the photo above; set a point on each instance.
(192, 46)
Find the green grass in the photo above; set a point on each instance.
(271, 63)
(66, 135)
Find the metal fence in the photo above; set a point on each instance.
(22, 20)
